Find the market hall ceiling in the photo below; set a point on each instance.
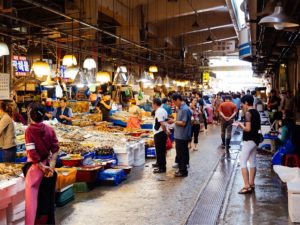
(168, 32)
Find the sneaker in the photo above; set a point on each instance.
(175, 165)
(154, 165)
(179, 174)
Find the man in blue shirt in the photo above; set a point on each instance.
(166, 104)
(237, 101)
(182, 134)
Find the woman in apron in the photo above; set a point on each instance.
(41, 148)
(135, 118)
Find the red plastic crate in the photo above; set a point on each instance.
(87, 174)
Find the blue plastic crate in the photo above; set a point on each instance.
(21, 159)
(112, 176)
(270, 137)
(1, 155)
(150, 152)
(147, 126)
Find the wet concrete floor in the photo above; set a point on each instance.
(147, 198)
(268, 205)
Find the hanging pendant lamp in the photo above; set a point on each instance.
(120, 79)
(69, 60)
(167, 82)
(131, 80)
(89, 63)
(49, 83)
(158, 81)
(144, 77)
(153, 69)
(122, 69)
(41, 68)
(3, 49)
(278, 19)
(102, 77)
(71, 72)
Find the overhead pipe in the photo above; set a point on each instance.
(68, 34)
(94, 27)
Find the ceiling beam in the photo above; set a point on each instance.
(179, 26)
(163, 9)
(200, 38)
(200, 47)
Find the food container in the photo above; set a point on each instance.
(71, 160)
(136, 134)
(87, 173)
(127, 169)
(65, 177)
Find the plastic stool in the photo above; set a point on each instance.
(292, 160)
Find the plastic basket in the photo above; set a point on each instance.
(1, 155)
(150, 152)
(65, 177)
(112, 176)
(62, 198)
(147, 126)
(81, 187)
(87, 173)
(21, 159)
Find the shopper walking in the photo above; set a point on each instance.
(160, 135)
(182, 134)
(195, 124)
(42, 148)
(237, 101)
(251, 139)
(227, 112)
(8, 143)
(202, 106)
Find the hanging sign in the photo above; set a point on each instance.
(224, 46)
(21, 65)
(205, 77)
(244, 44)
(4, 86)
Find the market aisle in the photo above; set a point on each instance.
(146, 198)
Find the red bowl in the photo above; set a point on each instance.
(71, 162)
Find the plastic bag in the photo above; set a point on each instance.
(58, 91)
(169, 144)
(277, 158)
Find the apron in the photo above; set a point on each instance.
(39, 196)
(134, 122)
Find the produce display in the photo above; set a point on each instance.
(8, 171)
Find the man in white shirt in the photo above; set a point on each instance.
(160, 135)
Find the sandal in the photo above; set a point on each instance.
(252, 187)
(245, 190)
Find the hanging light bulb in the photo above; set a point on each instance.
(122, 69)
(89, 63)
(120, 79)
(102, 77)
(278, 18)
(144, 77)
(69, 60)
(49, 83)
(41, 68)
(153, 69)
(158, 81)
(131, 80)
(167, 82)
(3, 49)
(71, 72)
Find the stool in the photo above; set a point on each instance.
(291, 160)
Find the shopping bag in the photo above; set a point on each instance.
(169, 144)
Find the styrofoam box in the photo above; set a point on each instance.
(294, 206)
(17, 216)
(126, 159)
(18, 222)
(139, 154)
